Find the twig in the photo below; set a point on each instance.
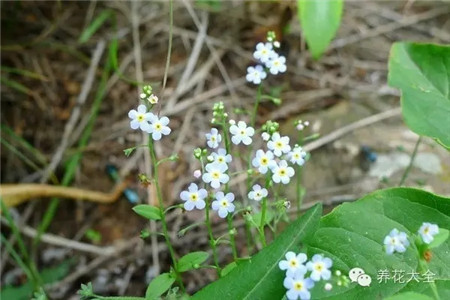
(408, 21)
(351, 127)
(411, 162)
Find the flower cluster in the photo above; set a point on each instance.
(300, 125)
(149, 122)
(297, 282)
(270, 61)
(147, 95)
(397, 241)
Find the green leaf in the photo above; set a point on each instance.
(260, 277)
(189, 261)
(228, 268)
(422, 73)
(128, 151)
(268, 218)
(409, 296)
(95, 25)
(352, 236)
(320, 20)
(439, 238)
(159, 285)
(148, 211)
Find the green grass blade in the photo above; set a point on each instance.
(95, 25)
(23, 72)
(16, 86)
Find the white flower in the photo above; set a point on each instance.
(213, 138)
(328, 286)
(255, 74)
(277, 65)
(298, 287)
(232, 122)
(297, 156)
(396, 241)
(319, 267)
(194, 197)
(140, 118)
(153, 99)
(263, 161)
(215, 174)
(279, 144)
(276, 44)
(241, 133)
(265, 136)
(264, 52)
(282, 172)
(197, 173)
(258, 193)
(427, 231)
(293, 263)
(158, 127)
(221, 156)
(223, 204)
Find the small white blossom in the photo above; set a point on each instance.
(210, 158)
(153, 99)
(255, 74)
(197, 173)
(282, 172)
(215, 174)
(328, 287)
(140, 118)
(276, 44)
(223, 204)
(297, 156)
(265, 136)
(213, 138)
(257, 193)
(158, 127)
(427, 231)
(396, 241)
(221, 156)
(279, 144)
(298, 287)
(241, 133)
(263, 161)
(194, 197)
(319, 267)
(293, 263)
(264, 52)
(277, 65)
(232, 122)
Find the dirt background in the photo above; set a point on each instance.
(212, 47)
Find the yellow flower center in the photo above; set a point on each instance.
(224, 203)
(220, 159)
(282, 172)
(140, 117)
(426, 230)
(293, 263)
(264, 161)
(298, 286)
(279, 144)
(215, 175)
(319, 267)
(194, 197)
(158, 126)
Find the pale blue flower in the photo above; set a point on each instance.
(193, 197)
(223, 204)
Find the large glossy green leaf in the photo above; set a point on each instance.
(260, 277)
(422, 72)
(353, 233)
(320, 19)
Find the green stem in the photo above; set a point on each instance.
(262, 235)
(161, 209)
(299, 177)
(227, 189)
(413, 156)
(212, 241)
(422, 268)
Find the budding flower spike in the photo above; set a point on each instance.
(298, 287)
(396, 242)
(297, 156)
(193, 197)
(140, 118)
(152, 99)
(277, 65)
(263, 161)
(282, 172)
(427, 232)
(293, 263)
(213, 138)
(215, 174)
(257, 193)
(241, 133)
(223, 204)
(319, 267)
(158, 127)
(279, 144)
(221, 156)
(255, 74)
